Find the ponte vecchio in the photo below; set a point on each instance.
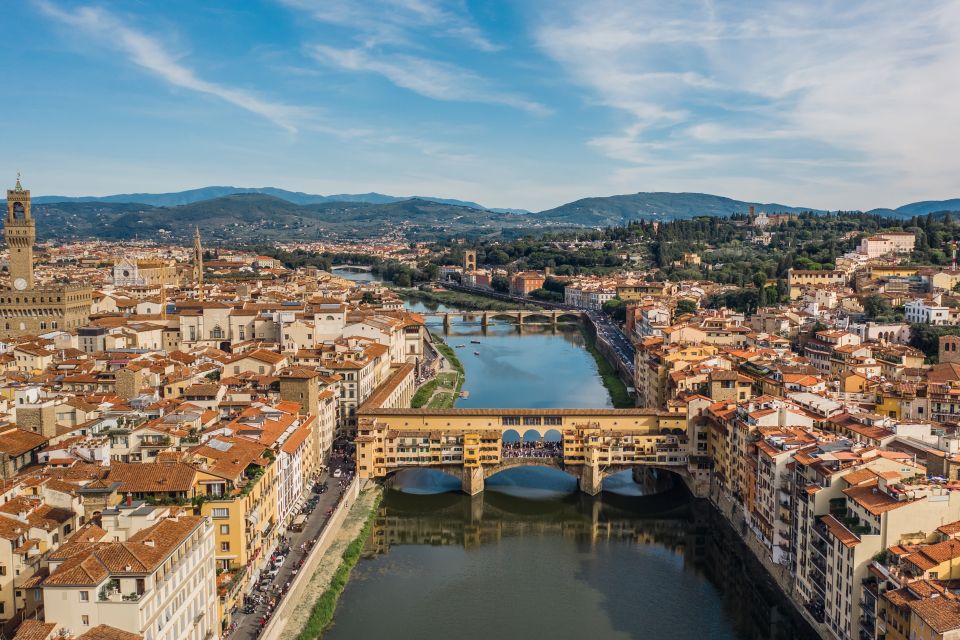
(469, 443)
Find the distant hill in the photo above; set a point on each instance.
(178, 198)
(920, 208)
(275, 214)
(656, 205)
(252, 217)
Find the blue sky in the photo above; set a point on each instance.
(512, 104)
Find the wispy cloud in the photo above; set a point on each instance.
(430, 78)
(149, 53)
(397, 22)
(859, 82)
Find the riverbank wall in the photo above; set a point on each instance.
(779, 574)
(276, 627)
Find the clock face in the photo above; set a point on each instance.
(20, 284)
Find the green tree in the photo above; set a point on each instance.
(616, 309)
(686, 306)
(876, 306)
(501, 284)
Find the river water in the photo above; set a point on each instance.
(533, 558)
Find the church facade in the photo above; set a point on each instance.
(25, 307)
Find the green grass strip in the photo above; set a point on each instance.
(321, 616)
(447, 352)
(611, 379)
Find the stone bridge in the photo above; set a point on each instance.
(518, 316)
(469, 443)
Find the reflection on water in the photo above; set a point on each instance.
(496, 566)
(535, 483)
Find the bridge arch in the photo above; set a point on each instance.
(538, 318)
(445, 478)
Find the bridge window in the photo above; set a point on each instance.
(510, 420)
(552, 421)
(532, 420)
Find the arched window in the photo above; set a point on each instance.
(217, 333)
(18, 211)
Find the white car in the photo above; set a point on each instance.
(337, 473)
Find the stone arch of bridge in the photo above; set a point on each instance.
(510, 317)
(516, 463)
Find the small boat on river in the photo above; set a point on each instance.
(476, 353)
(464, 394)
(474, 342)
(459, 346)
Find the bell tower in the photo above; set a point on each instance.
(198, 262)
(21, 232)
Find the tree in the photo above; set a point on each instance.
(876, 306)
(686, 306)
(501, 284)
(616, 309)
(546, 295)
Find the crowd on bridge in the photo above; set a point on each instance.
(539, 449)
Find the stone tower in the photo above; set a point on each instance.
(949, 349)
(21, 232)
(469, 260)
(198, 262)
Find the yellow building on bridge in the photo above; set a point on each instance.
(469, 442)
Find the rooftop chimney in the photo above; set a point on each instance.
(129, 499)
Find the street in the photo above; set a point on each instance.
(261, 598)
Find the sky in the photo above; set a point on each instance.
(510, 103)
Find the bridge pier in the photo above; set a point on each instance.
(446, 322)
(471, 480)
(591, 480)
(485, 320)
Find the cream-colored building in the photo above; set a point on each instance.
(886, 243)
(146, 571)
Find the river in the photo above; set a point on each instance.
(533, 558)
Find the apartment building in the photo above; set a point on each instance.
(147, 570)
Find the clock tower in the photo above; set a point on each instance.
(28, 308)
(21, 232)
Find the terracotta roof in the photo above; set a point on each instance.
(840, 532)
(106, 632)
(17, 442)
(35, 630)
(942, 614)
(873, 499)
(152, 477)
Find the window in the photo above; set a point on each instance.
(221, 513)
(224, 546)
(224, 529)
(3, 570)
(510, 420)
(85, 620)
(84, 596)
